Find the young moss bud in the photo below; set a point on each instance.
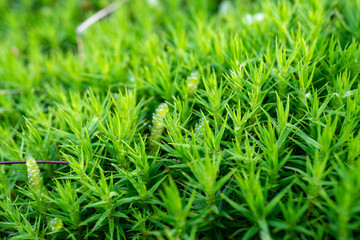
(250, 19)
(34, 175)
(265, 236)
(225, 7)
(153, 3)
(199, 127)
(157, 124)
(193, 82)
(55, 224)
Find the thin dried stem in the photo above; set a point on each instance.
(43, 162)
(10, 91)
(93, 19)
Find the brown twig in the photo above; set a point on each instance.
(93, 19)
(10, 91)
(44, 162)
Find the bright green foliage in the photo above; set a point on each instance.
(182, 119)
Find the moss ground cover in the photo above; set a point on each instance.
(181, 119)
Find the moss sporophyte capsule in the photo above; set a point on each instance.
(157, 124)
(193, 82)
(34, 175)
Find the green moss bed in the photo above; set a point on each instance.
(180, 119)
